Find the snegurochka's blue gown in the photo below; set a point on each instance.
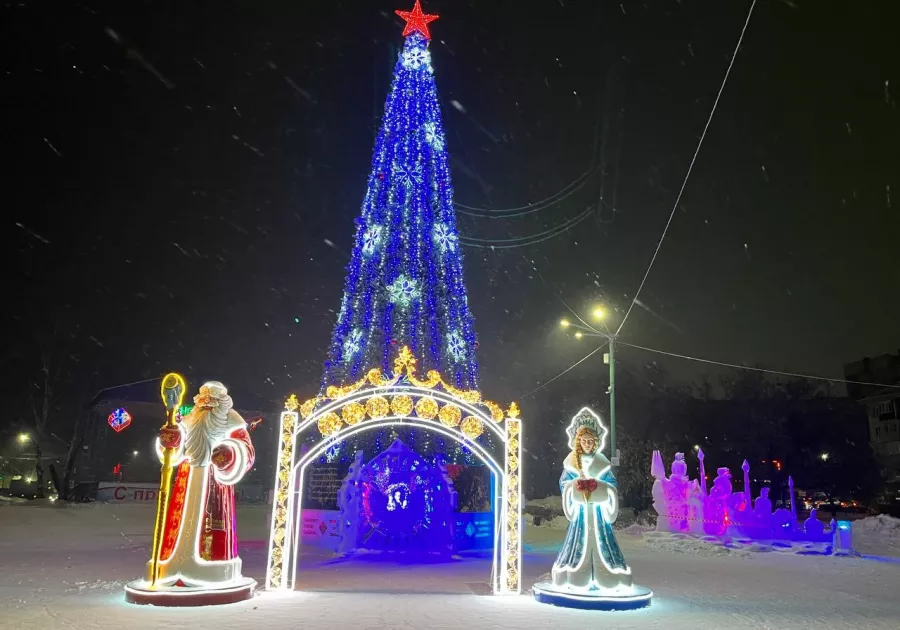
(590, 558)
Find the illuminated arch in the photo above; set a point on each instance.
(364, 405)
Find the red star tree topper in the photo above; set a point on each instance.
(417, 21)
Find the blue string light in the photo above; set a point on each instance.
(404, 282)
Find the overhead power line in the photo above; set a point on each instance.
(690, 169)
(571, 367)
(510, 213)
(524, 241)
(758, 369)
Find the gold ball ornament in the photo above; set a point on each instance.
(450, 415)
(402, 405)
(427, 408)
(378, 407)
(472, 427)
(329, 424)
(353, 413)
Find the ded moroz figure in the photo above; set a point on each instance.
(214, 450)
(196, 559)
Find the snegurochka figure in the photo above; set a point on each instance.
(590, 558)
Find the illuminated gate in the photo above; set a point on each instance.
(399, 399)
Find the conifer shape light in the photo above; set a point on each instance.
(404, 284)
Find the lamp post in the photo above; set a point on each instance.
(584, 329)
(25, 438)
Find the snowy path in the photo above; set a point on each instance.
(64, 568)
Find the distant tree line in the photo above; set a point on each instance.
(781, 427)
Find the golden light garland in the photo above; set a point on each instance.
(472, 427)
(404, 366)
(513, 501)
(496, 412)
(450, 415)
(376, 378)
(335, 391)
(286, 441)
(431, 380)
(308, 407)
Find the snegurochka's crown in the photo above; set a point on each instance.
(587, 418)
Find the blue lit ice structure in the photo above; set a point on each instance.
(626, 598)
(406, 503)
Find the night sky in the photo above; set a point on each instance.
(182, 178)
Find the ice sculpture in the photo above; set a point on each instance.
(684, 506)
(349, 504)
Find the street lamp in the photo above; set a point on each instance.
(24, 437)
(134, 453)
(584, 329)
(824, 457)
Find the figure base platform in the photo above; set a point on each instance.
(627, 599)
(139, 592)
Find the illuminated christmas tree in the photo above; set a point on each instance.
(404, 283)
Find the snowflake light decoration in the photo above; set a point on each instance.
(444, 237)
(456, 346)
(433, 137)
(416, 59)
(119, 419)
(352, 344)
(371, 239)
(403, 290)
(407, 175)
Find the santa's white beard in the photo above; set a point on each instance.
(205, 430)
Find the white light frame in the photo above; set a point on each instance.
(285, 536)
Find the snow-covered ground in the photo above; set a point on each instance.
(64, 567)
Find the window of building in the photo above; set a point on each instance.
(885, 407)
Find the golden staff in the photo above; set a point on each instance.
(172, 392)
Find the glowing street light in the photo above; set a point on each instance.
(584, 329)
(134, 453)
(24, 437)
(824, 457)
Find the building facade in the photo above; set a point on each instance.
(882, 406)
